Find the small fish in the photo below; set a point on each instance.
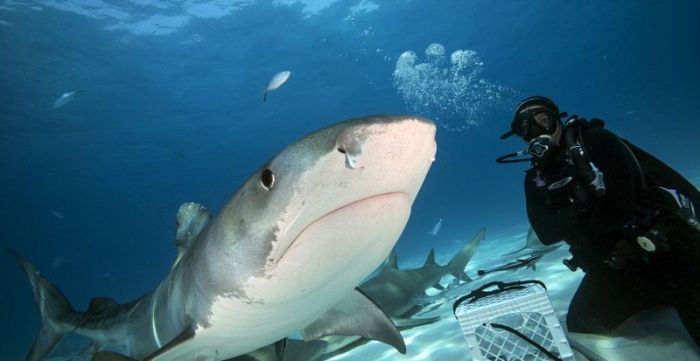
(58, 214)
(194, 39)
(436, 228)
(276, 82)
(64, 99)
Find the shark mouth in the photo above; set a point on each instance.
(347, 218)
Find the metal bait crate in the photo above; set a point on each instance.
(512, 322)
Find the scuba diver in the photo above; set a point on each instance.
(631, 221)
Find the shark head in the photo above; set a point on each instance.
(323, 213)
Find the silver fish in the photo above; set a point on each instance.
(64, 99)
(276, 82)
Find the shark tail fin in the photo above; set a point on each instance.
(57, 315)
(459, 261)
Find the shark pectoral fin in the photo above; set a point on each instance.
(45, 342)
(191, 219)
(356, 315)
(110, 356)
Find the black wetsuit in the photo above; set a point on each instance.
(621, 278)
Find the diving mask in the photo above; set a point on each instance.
(532, 123)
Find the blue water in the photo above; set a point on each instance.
(170, 110)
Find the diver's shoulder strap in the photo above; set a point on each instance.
(578, 155)
(575, 128)
(632, 153)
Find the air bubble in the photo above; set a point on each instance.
(453, 94)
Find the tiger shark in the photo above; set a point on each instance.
(285, 253)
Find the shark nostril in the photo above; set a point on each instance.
(267, 179)
(342, 150)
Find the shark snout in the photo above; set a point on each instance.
(354, 203)
(406, 142)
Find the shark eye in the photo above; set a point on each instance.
(341, 150)
(267, 179)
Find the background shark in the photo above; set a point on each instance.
(400, 293)
(533, 246)
(523, 262)
(284, 254)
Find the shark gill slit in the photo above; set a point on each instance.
(153, 322)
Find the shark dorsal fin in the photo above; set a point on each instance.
(99, 304)
(533, 242)
(392, 261)
(459, 261)
(430, 260)
(356, 315)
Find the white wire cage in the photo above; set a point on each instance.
(512, 322)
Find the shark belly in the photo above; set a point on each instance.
(346, 244)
